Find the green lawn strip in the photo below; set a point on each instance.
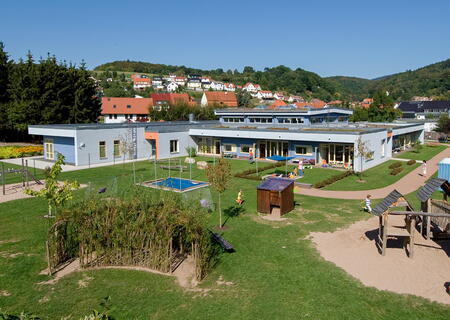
(426, 153)
(276, 272)
(376, 177)
(17, 177)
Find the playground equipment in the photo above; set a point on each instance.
(24, 172)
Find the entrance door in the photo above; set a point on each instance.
(217, 146)
(262, 150)
(49, 151)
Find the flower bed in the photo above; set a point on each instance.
(9, 152)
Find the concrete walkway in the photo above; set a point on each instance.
(409, 183)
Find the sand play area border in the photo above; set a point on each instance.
(354, 249)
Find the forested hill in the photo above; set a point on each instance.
(281, 78)
(430, 81)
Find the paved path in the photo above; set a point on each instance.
(409, 183)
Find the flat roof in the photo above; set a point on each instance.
(281, 111)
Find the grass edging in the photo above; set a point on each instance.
(247, 174)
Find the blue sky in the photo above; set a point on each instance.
(355, 38)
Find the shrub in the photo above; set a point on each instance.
(332, 179)
(395, 165)
(411, 162)
(191, 151)
(396, 171)
(9, 152)
(247, 174)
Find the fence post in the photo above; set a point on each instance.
(34, 167)
(26, 172)
(3, 178)
(23, 173)
(89, 160)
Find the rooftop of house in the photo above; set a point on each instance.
(420, 106)
(112, 105)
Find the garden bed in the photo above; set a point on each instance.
(9, 152)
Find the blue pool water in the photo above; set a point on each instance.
(178, 184)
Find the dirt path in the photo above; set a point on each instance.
(409, 183)
(354, 250)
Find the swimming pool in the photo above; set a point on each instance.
(175, 184)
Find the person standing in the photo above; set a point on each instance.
(300, 167)
(424, 168)
(250, 156)
(367, 203)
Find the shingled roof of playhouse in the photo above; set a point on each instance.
(275, 184)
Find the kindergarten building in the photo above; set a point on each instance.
(322, 136)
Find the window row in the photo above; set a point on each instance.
(102, 149)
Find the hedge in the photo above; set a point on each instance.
(332, 179)
(396, 171)
(247, 174)
(395, 165)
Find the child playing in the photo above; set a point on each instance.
(367, 207)
(239, 197)
(424, 168)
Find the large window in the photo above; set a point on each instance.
(174, 146)
(228, 147)
(245, 148)
(233, 120)
(102, 149)
(261, 120)
(116, 148)
(316, 120)
(303, 150)
(290, 120)
(383, 148)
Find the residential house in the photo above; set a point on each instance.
(141, 83)
(181, 81)
(206, 85)
(229, 87)
(170, 99)
(194, 83)
(251, 88)
(366, 102)
(219, 98)
(423, 109)
(279, 96)
(292, 99)
(171, 86)
(218, 86)
(264, 95)
(205, 80)
(157, 82)
(277, 104)
(118, 110)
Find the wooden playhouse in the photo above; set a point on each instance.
(275, 196)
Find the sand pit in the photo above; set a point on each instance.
(15, 191)
(354, 250)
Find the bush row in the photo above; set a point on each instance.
(248, 174)
(395, 165)
(9, 152)
(411, 162)
(332, 179)
(396, 171)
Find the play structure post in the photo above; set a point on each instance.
(169, 167)
(34, 167)
(26, 172)
(180, 174)
(89, 160)
(3, 178)
(23, 173)
(256, 162)
(286, 167)
(134, 172)
(190, 169)
(154, 165)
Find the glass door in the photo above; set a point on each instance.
(49, 151)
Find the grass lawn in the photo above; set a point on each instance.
(428, 151)
(376, 177)
(276, 271)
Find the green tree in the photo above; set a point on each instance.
(363, 153)
(219, 176)
(443, 124)
(244, 99)
(55, 193)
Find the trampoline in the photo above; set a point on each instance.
(175, 184)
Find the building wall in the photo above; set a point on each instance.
(88, 145)
(184, 141)
(374, 143)
(64, 146)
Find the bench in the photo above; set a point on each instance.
(226, 246)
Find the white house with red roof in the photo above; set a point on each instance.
(119, 110)
(264, 94)
(171, 86)
(250, 87)
(181, 81)
(229, 87)
(141, 83)
(279, 96)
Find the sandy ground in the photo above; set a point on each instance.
(14, 191)
(354, 250)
